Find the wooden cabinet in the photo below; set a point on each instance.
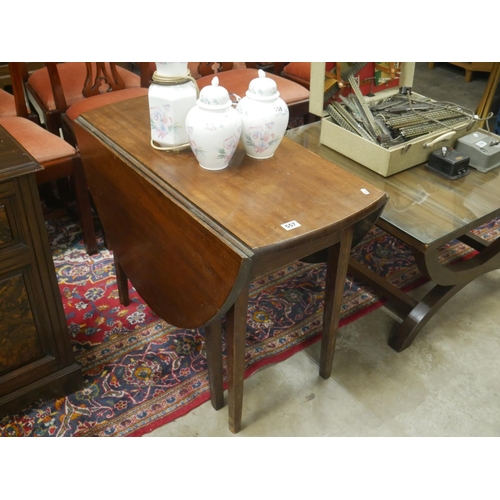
(36, 358)
(470, 67)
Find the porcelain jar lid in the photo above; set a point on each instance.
(213, 96)
(262, 88)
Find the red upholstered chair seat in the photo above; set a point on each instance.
(97, 101)
(7, 104)
(59, 159)
(299, 72)
(236, 81)
(72, 75)
(39, 143)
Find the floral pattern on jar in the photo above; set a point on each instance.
(162, 122)
(214, 140)
(198, 152)
(229, 146)
(261, 138)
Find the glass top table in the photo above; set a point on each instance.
(425, 210)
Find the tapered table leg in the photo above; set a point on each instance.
(213, 345)
(121, 282)
(236, 322)
(336, 271)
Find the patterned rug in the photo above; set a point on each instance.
(141, 373)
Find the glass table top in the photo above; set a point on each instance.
(423, 205)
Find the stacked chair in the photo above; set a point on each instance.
(58, 158)
(236, 77)
(57, 86)
(236, 81)
(299, 72)
(62, 91)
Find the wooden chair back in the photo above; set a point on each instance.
(212, 68)
(57, 90)
(18, 75)
(105, 79)
(64, 163)
(198, 70)
(101, 77)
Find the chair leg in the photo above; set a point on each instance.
(84, 210)
(52, 123)
(64, 190)
(68, 132)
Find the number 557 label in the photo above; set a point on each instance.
(290, 225)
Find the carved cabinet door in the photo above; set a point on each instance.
(36, 358)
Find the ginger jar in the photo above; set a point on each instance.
(171, 95)
(213, 127)
(264, 117)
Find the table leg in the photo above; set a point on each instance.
(122, 283)
(236, 323)
(213, 346)
(336, 271)
(449, 280)
(406, 331)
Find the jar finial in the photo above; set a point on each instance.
(215, 81)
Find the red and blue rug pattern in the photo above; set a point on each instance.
(141, 373)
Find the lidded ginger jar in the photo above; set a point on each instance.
(213, 127)
(264, 117)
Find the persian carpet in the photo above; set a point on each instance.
(141, 373)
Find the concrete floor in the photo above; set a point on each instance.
(445, 384)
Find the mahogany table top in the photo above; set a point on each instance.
(250, 199)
